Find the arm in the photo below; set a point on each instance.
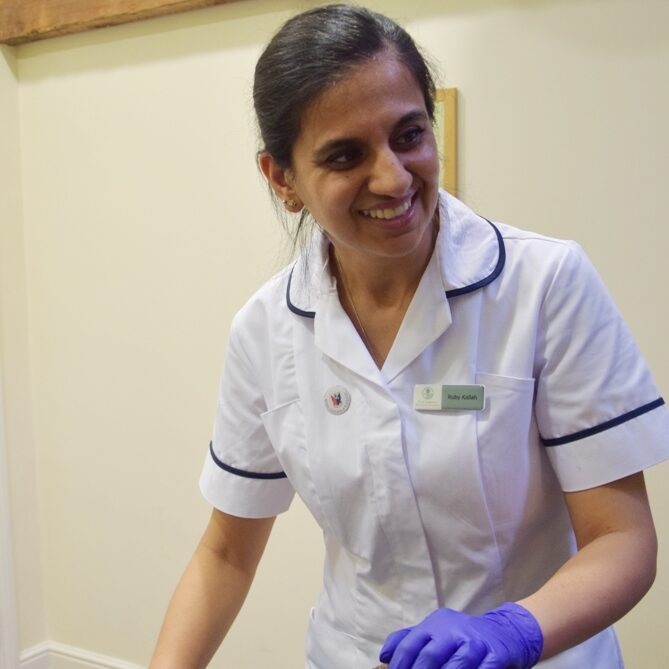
(612, 570)
(211, 591)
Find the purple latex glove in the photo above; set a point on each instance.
(508, 637)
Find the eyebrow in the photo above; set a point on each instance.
(343, 142)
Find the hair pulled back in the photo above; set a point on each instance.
(312, 51)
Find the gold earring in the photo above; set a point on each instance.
(290, 203)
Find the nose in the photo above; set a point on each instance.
(388, 174)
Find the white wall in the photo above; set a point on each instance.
(147, 226)
(15, 372)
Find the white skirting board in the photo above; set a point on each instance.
(53, 655)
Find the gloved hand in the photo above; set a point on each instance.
(508, 637)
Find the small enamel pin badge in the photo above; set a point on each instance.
(337, 400)
(435, 397)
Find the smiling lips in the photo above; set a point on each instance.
(387, 214)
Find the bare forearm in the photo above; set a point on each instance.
(211, 591)
(203, 607)
(594, 589)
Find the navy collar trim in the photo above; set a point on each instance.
(501, 260)
(291, 306)
(492, 276)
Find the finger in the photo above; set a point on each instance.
(408, 649)
(435, 654)
(493, 661)
(470, 655)
(391, 643)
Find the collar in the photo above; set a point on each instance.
(470, 252)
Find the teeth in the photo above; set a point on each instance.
(387, 214)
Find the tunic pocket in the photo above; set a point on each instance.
(525, 505)
(286, 429)
(509, 459)
(342, 474)
(325, 458)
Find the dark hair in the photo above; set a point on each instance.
(310, 52)
(313, 50)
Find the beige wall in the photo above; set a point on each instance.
(147, 226)
(14, 363)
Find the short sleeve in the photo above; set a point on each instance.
(598, 410)
(242, 475)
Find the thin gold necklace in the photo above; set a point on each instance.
(365, 337)
(358, 321)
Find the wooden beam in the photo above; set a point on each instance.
(30, 20)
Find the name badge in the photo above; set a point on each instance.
(435, 397)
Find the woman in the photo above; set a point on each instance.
(457, 402)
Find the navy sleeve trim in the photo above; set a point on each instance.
(243, 472)
(492, 276)
(604, 426)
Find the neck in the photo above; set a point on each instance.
(382, 282)
(378, 299)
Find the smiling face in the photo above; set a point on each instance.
(365, 165)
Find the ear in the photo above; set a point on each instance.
(281, 180)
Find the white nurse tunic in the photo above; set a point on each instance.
(425, 509)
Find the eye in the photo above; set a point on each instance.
(410, 137)
(344, 158)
